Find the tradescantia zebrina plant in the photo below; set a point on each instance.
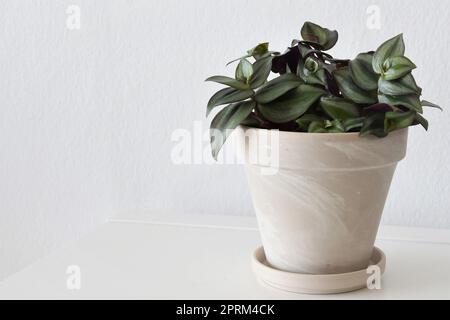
(373, 94)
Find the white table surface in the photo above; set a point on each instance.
(208, 257)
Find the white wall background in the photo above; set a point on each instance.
(87, 115)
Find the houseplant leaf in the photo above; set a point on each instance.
(397, 67)
(261, 70)
(311, 72)
(244, 70)
(362, 72)
(353, 123)
(421, 120)
(314, 33)
(291, 105)
(227, 95)
(398, 120)
(403, 86)
(382, 107)
(229, 82)
(258, 51)
(339, 108)
(334, 126)
(426, 103)
(277, 87)
(373, 124)
(287, 60)
(311, 65)
(350, 90)
(410, 101)
(317, 127)
(226, 120)
(393, 47)
(251, 121)
(304, 121)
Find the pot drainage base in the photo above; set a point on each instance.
(315, 283)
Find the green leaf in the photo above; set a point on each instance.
(227, 95)
(397, 67)
(350, 90)
(410, 101)
(398, 120)
(304, 121)
(244, 70)
(317, 127)
(305, 50)
(291, 105)
(350, 124)
(317, 77)
(334, 126)
(325, 38)
(426, 103)
(421, 120)
(251, 121)
(259, 50)
(339, 108)
(403, 86)
(393, 47)
(261, 70)
(277, 87)
(311, 65)
(229, 82)
(362, 72)
(227, 119)
(373, 124)
(238, 59)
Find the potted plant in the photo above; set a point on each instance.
(343, 127)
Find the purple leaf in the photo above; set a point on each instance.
(290, 58)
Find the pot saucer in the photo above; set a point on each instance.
(314, 283)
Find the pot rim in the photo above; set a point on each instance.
(336, 151)
(334, 135)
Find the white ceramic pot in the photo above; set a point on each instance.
(319, 209)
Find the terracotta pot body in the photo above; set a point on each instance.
(319, 209)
